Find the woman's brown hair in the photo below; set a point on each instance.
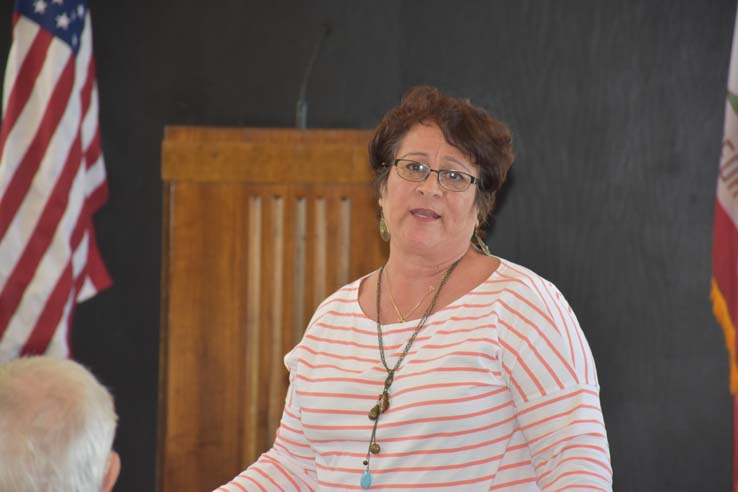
(486, 141)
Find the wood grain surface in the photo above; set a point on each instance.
(261, 226)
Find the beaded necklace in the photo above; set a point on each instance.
(383, 400)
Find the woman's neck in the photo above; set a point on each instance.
(422, 268)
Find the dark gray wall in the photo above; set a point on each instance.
(617, 108)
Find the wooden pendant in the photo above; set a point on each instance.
(389, 380)
(384, 402)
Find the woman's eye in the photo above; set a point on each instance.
(415, 167)
(454, 176)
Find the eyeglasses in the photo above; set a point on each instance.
(448, 179)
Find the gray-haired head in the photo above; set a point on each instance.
(57, 424)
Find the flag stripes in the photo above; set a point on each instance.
(52, 179)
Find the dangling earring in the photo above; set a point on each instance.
(383, 229)
(479, 243)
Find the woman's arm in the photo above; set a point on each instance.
(551, 374)
(289, 465)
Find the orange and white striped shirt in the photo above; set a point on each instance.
(498, 393)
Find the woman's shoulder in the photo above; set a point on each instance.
(338, 309)
(527, 284)
(343, 302)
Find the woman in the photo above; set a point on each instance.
(447, 369)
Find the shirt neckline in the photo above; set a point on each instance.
(448, 306)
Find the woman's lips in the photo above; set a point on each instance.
(425, 213)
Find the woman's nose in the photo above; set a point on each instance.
(430, 185)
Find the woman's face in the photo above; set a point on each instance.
(421, 215)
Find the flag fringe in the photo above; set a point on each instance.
(720, 308)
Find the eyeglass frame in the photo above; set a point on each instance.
(473, 180)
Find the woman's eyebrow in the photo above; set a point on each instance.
(456, 161)
(417, 154)
(448, 158)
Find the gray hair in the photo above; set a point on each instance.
(57, 424)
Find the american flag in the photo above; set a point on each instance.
(52, 178)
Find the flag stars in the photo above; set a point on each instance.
(39, 6)
(62, 21)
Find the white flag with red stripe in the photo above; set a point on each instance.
(52, 178)
(724, 290)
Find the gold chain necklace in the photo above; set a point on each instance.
(397, 309)
(383, 400)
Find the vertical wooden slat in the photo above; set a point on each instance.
(246, 262)
(288, 274)
(253, 329)
(276, 321)
(300, 278)
(320, 239)
(344, 239)
(364, 215)
(243, 252)
(266, 334)
(332, 251)
(310, 253)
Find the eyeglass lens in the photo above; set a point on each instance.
(417, 171)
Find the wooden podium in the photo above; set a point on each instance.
(259, 226)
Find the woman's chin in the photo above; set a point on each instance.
(420, 242)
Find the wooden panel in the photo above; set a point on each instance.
(299, 312)
(253, 328)
(344, 238)
(332, 249)
(364, 210)
(246, 261)
(268, 157)
(276, 317)
(204, 340)
(310, 254)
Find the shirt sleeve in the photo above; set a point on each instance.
(289, 466)
(550, 371)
